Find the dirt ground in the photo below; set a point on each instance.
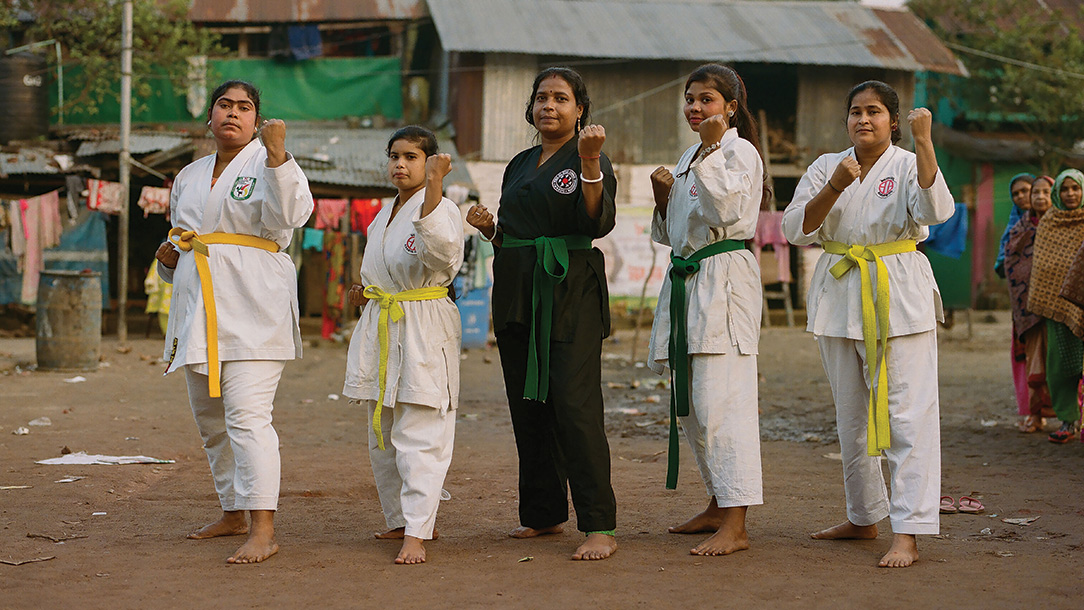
(135, 554)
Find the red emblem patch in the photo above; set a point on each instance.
(885, 188)
(692, 191)
(409, 245)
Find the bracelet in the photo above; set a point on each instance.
(586, 181)
(710, 149)
(594, 157)
(482, 236)
(833, 186)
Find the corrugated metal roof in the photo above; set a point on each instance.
(139, 143)
(29, 161)
(811, 33)
(305, 11)
(355, 157)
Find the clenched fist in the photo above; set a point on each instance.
(356, 296)
(661, 183)
(921, 122)
(438, 166)
(846, 172)
(482, 219)
(590, 140)
(167, 255)
(712, 129)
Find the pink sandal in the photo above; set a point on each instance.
(970, 505)
(948, 505)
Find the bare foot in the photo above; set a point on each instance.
(412, 552)
(530, 532)
(847, 531)
(902, 553)
(708, 521)
(730, 537)
(397, 534)
(597, 546)
(232, 523)
(261, 542)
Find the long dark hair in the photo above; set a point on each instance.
(250, 89)
(575, 82)
(418, 135)
(727, 82)
(887, 95)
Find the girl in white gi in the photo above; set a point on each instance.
(707, 323)
(233, 320)
(404, 353)
(868, 206)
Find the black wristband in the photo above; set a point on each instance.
(833, 186)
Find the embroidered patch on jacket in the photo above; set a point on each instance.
(565, 182)
(692, 191)
(409, 245)
(885, 188)
(243, 187)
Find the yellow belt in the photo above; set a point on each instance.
(874, 326)
(390, 308)
(192, 241)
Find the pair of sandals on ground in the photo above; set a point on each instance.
(966, 505)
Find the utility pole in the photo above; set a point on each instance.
(125, 171)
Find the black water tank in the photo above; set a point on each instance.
(24, 97)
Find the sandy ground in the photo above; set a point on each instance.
(135, 555)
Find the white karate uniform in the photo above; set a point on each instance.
(256, 302)
(719, 198)
(422, 378)
(887, 206)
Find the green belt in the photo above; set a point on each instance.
(551, 266)
(678, 355)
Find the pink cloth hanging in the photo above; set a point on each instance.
(770, 233)
(41, 226)
(104, 196)
(329, 213)
(154, 200)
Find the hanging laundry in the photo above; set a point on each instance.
(105, 196)
(41, 228)
(335, 288)
(313, 240)
(769, 232)
(305, 42)
(362, 213)
(75, 186)
(154, 200)
(329, 213)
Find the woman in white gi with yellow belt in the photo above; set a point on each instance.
(403, 362)
(873, 307)
(707, 323)
(233, 319)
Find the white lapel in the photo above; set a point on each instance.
(213, 210)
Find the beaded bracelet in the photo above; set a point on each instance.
(710, 149)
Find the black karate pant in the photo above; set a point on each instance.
(561, 442)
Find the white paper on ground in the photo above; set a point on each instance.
(106, 460)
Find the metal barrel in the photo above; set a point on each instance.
(69, 320)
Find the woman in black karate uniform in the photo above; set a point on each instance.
(551, 313)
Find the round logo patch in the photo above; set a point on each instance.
(409, 245)
(885, 188)
(565, 182)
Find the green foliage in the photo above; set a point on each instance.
(1042, 99)
(90, 31)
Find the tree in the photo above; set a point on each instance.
(90, 33)
(1026, 59)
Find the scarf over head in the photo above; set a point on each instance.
(1014, 216)
(1057, 239)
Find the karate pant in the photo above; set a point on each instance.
(562, 442)
(723, 426)
(410, 471)
(914, 459)
(242, 446)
